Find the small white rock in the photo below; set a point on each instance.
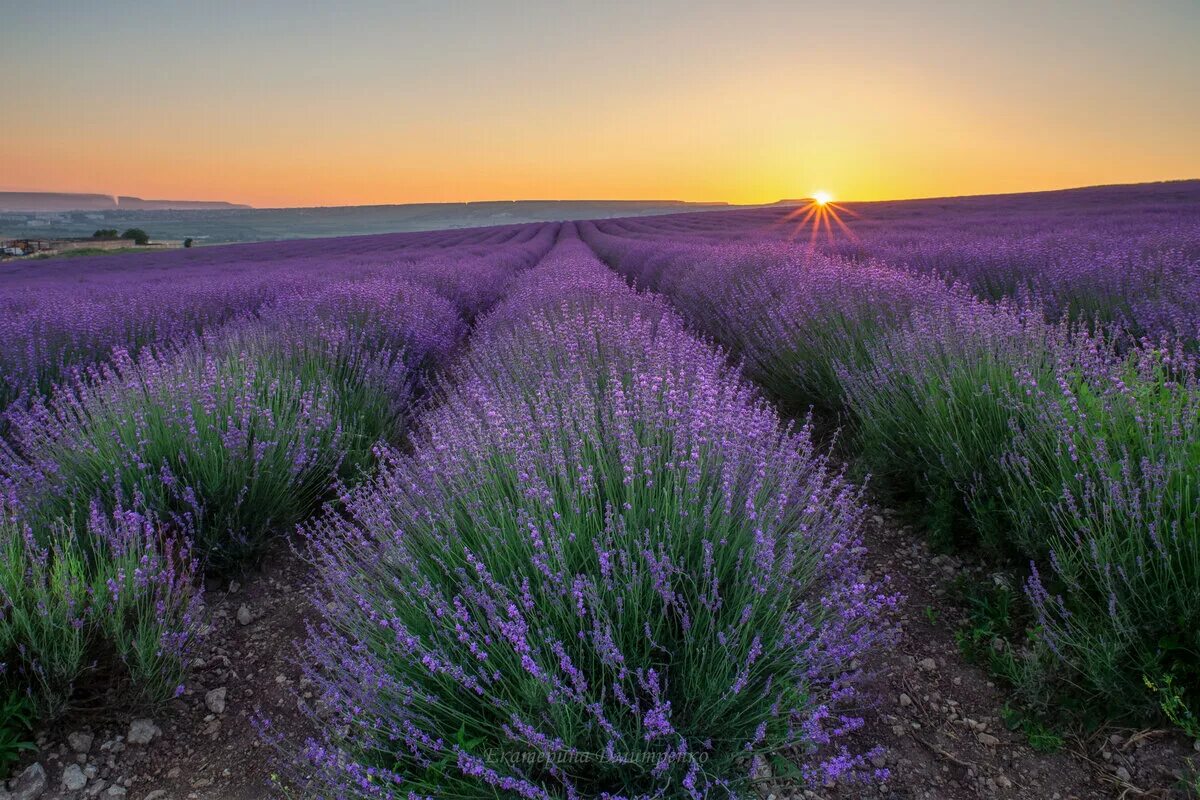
(73, 778)
(30, 783)
(214, 700)
(81, 741)
(244, 617)
(143, 731)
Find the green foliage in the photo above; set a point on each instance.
(105, 233)
(138, 236)
(1041, 736)
(16, 728)
(188, 242)
(231, 446)
(993, 622)
(934, 435)
(1174, 707)
(1121, 482)
(101, 617)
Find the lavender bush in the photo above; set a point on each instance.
(226, 447)
(937, 403)
(1115, 457)
(94, 619)
(793, 315)
(241, 435)
(605, 570)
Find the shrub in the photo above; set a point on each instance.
(1047, 443)
(1116, 459)
(224, 446)
(245, 433)
(603, 549)
(793, 316)
(937, 403)
(99, 618)
(137, 235)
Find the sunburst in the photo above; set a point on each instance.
(819, 214)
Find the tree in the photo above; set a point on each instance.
(187, 242)
(138, 235)
(105, 233)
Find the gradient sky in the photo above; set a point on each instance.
(305, 103)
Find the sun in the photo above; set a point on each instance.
(822, 198)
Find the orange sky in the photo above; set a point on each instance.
(388, 103)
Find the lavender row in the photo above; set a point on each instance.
(1040, 439)
(1118, 255)
(54, 317)
(135, 472)
(605, 569)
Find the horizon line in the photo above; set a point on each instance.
(242, 206)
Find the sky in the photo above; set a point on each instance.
(291, 103)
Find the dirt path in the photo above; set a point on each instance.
(939, 716)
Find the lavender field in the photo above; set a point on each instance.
(590, 510)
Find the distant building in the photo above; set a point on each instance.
(24, 247)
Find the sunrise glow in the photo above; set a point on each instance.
(433, 102)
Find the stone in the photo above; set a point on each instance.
(157, 794)
(115, 792)
(987, 740)
(1123, 774)
(30, 784)
(244, 617)
(927, 664)
(214, 700)
(905, 700)
(73, 778)
(143, 731)
(81, 741)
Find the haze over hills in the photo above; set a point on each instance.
(34, 202)
(227, 223)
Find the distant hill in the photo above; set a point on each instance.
(138, 204)
(34, 202)
(56, 201)
(224, 223)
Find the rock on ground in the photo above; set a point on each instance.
(143, 731)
